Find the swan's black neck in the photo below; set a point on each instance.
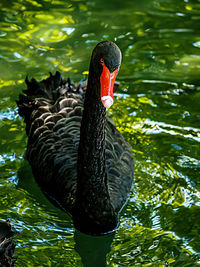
(92, 134)
(93, 209)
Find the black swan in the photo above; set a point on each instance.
(6, 245)
(78, 157)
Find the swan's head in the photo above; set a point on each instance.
(106, 60)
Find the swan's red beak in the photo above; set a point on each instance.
(107, 80)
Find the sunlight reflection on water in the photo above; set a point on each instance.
(156, 108)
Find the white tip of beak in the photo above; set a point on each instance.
(107, 101)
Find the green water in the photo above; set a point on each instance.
(157, 109)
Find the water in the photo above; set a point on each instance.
(157, 109)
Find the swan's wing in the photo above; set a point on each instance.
(119, 166)
(52, 113)
(52, 153)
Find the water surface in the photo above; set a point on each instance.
(157, 109)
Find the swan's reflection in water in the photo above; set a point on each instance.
(93, 249)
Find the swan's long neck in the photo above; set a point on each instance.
(93, 202)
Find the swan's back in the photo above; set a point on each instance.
(52, 110)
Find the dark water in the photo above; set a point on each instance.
(157, 109)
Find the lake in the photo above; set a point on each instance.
(156, 108)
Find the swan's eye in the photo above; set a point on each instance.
(101, 61)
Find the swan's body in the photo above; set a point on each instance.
(78, 157)
(6, 245)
